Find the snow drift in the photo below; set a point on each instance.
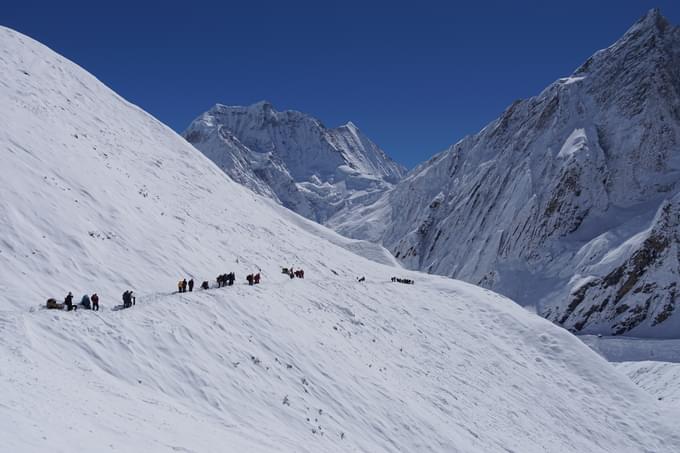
(99, 196)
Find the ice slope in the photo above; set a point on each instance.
(569, 201)
(294, 159)
(99, 196)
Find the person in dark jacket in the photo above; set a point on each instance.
(68, 301)
(249, 278)
(205, 284)
(191, 285)
(184, 285)
(95, 301)
(128, 299)
(256, 278)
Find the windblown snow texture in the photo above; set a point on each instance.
(568, 201)
(99, 196)
(293, 159)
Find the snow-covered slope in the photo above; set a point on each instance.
(99, 196)
(568, 201)
(661, 379)
(293, 159)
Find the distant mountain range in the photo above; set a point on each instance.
(293, 159)
(570, 201)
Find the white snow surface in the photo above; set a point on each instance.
(661, 379)
(99, 196)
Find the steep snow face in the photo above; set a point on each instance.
(567, 201)
(90, 182)
(293, 159)
(99, 196)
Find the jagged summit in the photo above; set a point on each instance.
(653, 20)
(564, 201)
(293, 158)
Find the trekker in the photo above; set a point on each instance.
(302, 273)
(179, 286)
(184, 285)
(231, 277)
(361, 279)
(256, 278)
(95, 301)
(249, 278)
(291, 274)
(85, 302)
(68, 301)
(128, 299)
(191, 285)
(205, 284)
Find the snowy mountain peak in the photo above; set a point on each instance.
(649, 43)
(293, 158)
(562, 189)
(351, 126)
(653, 21)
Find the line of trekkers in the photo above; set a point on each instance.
(86, 302)
(129, 299)
(293, 273)
(183, 284)
(222, 280)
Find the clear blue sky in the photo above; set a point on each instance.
(415, 77)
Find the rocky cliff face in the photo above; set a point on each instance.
(292, 158)
(567, 201)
